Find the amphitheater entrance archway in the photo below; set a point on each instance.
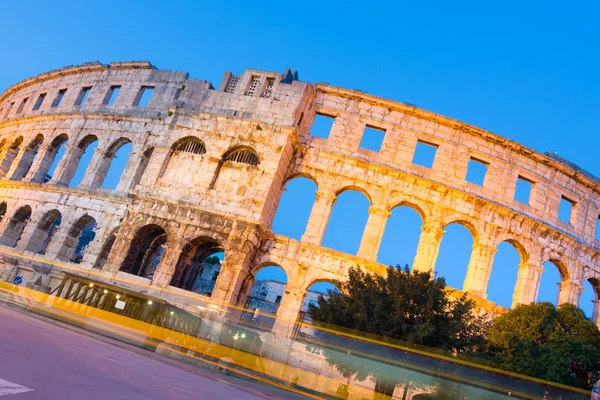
(198, 266)
(81, 234)
(145, 251)
(263, 289)
(44, 232)
(13, 231)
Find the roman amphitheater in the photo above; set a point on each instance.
(209, 165)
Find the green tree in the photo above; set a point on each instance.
(404, 305)
(559, 345)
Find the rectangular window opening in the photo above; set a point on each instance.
(59, 97)
(269, 88)
(233, 81)
(597, 237)
(39, 101)
(523, 190)
(372, 139)
(144, 96)
(476, 171)
(10, 106)
(22, 105)
(111, 95)
(253, 87)
(424, 154)
(321, 126)
(565, 210)
(83, 96)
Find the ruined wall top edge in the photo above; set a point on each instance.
(174, 89)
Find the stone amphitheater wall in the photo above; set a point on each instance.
(211, 197)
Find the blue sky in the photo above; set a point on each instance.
(525, 70)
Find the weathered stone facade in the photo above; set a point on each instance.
(208, 168)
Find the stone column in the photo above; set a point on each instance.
(17, 161)
(7, 161)
(528, 283)
(569, 292)
(596, 313)
(96, 171)
(168, 262)
(129, 172)
(119, 249)
(67, 166)
(479, 270)
(371, 240)
(319, 218)
(429, 247)
(288, 311)
(45, 152)
(22, 164)
(227, 285)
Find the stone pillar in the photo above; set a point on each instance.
(67, 166)
(288, 311)
(528, 283)
(371, 240)
(22, 152)
(119, 250)
(155, 165)
(479, 270)
(129, 173)
(429, 247)
(45, 152)
(569, 292)
(227, 285)
(23, 164)
(168, 262)
(319, 218)
(7, 161)
(596, 313)
(96, 171)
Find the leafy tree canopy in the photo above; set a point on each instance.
(539, 340)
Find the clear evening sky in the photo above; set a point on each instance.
(529, 71)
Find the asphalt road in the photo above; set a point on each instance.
(40, 360)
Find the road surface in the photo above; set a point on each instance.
(40, 360)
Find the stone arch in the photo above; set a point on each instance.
(185, 157)
(80, 160)
(262, 293)
(197, 268)
(350, 204)
(297, 175)
(145, 251)
(555, 272)
(413, 205)
(14, 229)
(27, 158)
(44, 232)
(505, 269)
(10, 155)
(111, 164)
(81, 234)
(355, 188)
(451, 263)
(295, 205)
(50, 159)
(403, 225)
(106, 249)
(236, 168)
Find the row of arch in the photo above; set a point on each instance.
(406, 228)
(18, 160)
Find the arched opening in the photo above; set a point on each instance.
(553, 274)
(13, 231)
(145, 251)
(589, 298)
(297, 200)
(27, 159)
(106, 249)
(311, 297)
(144, 161)
(505, 270)
(184, 159)
(81, 234)
(264, 296)
(347, 222)
(10, 155)
(2, 210)
(56, 152)
(114, 164)
(401, 236)
(198, 266)
(44, 231)
(235, 170)
(80, 159)
(455, 252)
